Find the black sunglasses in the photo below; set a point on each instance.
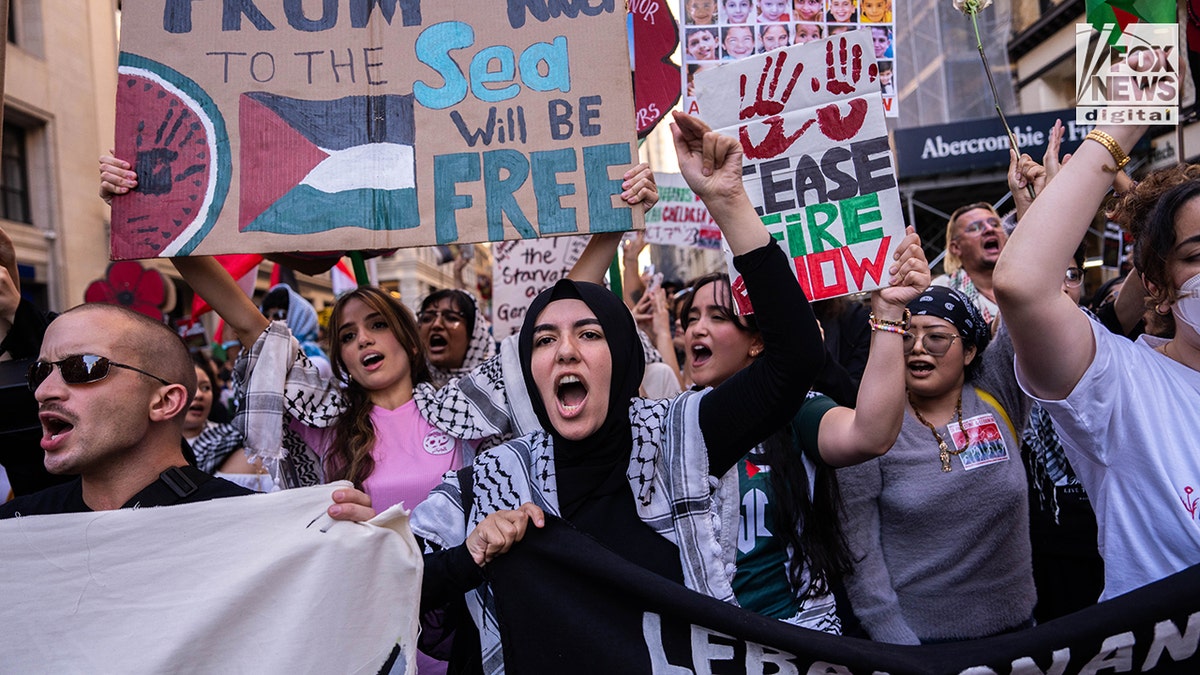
(78, 369)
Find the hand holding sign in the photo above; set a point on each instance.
(909, 275)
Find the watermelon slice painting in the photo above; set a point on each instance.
(173, 134)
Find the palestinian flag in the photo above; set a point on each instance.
(321, 165)
(1124, 12)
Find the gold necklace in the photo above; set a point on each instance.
(944, 450)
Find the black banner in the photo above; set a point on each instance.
(566, 604)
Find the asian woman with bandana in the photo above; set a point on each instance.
(939, 526)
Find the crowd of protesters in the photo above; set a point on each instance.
(949, 459)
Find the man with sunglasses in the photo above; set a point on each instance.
(113, 388)
(975, 236)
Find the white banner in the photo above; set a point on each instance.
(680, 218)
(262, 583)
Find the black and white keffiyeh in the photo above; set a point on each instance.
(667, 471)
(488, 405)
(214, 445)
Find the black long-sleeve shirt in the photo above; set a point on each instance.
(758, 400)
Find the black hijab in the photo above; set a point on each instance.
(583, 466)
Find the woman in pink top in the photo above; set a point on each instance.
(381, 442)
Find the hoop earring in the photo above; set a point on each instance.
(1159, 309)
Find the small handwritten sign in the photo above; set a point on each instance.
(680, 218)
(521, 270)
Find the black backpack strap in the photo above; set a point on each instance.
(172, 487)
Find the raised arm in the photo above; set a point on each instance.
(852, 435)
(652, 316)
(1053, 339)
(211, 282)
(638, 188)
(761, 398)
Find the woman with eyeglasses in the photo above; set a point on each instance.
(939, 526)
(456, 335)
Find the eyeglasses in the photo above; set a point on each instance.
(935, 344)
(277, 314)
(78, 369)
(980, 225)
(449, 317)
(1074, 277)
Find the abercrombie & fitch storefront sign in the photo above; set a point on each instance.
(980, 144)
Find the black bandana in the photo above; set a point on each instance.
(953, 306)
(584, 464)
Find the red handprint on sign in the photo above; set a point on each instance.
(848, 63)
(842, 75)
(776, 141)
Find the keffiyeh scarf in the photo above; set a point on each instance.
(668, 473)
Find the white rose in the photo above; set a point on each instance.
(969, 7)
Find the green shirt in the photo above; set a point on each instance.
(761, 580)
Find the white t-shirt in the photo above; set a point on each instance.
(1131, 431)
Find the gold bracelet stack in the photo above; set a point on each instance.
(898, 327)
(1113, 148)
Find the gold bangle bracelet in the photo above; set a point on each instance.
(902, 324)
(1113, 148)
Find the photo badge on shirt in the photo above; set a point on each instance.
(987, 444)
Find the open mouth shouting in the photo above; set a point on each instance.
(371, 361)
(571, 393)
(700, 355)
(990, 243)
(438, 342)
(920, 368)
(56, 427)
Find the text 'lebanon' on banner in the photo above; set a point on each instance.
(370, 124)
(817, 164)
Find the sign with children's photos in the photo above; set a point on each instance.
(817, 165)
(716, 31)
(260, 127)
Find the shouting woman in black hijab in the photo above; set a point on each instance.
(631, 472)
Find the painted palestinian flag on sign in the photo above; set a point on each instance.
(323, 165)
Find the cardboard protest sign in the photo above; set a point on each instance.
(680, 218)
(521, 270)
(716, 31)
(364, 124)
(817, 166)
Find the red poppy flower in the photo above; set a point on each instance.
(132, 286)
